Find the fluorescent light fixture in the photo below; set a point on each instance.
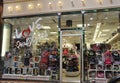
(105, 30)
(6, 39)
(46, 27)
(103, 35)
(53, 33)
(113, 38)
(99, 34)
(80, 25)
(96, 31)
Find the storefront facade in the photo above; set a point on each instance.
(51, 44)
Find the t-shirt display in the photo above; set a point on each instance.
(71, 62)
(103, 64)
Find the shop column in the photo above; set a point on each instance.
(1, 31)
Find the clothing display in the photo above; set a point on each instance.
(70, 62)
(103, 63)
(25, 62)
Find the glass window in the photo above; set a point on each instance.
(32, 50)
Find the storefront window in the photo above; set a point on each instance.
(31, 48)
(103, 43)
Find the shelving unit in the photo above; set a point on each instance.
(102, 71)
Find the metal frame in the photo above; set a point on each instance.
(81, 56)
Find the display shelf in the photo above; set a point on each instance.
(109, 67)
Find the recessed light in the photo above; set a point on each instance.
(30, 6)
(10, 9)
(91, 18)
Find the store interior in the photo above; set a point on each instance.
(101, 27)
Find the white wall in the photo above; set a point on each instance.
(66, 6)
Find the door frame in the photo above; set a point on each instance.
(81, 64)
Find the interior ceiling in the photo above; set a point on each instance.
(109, 23)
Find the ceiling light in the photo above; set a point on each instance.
(99, 34)
(17, 8)
(96, 31)
(105, 30)
(60, 4)
(112, 38)
(53, 33)
(81, 25)
(46, 27)
(39, 5)
(50, 5)
(30, 6)
(10, 9)
(91, 18)
(88, 24)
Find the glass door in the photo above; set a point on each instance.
(71, 55)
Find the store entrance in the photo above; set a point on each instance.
(71, 55)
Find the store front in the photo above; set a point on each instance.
(36, 48)
(62, 47)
